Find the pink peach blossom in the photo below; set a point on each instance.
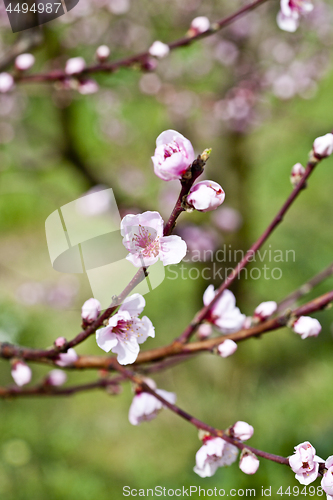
(305, 463)
(143, 238)
(223, 314)
(214, 453)
(290, 12)
(173, 155)
(145, 406)
(125, 330)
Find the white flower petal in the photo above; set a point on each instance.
(173, 250)
(134, 304)
(127, 350)
(106, 339)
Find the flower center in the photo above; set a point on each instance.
(146, 243)
(122, 329)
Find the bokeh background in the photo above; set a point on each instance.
(258, 96)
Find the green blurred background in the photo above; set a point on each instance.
(56, 144)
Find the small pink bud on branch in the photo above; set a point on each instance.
(23, 62)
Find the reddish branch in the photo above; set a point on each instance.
(142, 58)
(198, 423)
(9, 351)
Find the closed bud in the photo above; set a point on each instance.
(323, 146)
(199, 25)
(102, 53)
(306, 326)
(60, 342)
(297, 173)
(24, 62)
(206, 196)
(227, 348)
(56, 378)
(248, 463)
(75, 65)
(159, 49)
(241, 430)
(90, 310)
(21, 373)
(265, 309)
(6, 82)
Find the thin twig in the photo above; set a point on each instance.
(305, 288)
(141, 58)
(201, 315)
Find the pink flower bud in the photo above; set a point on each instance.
(60, 342)
(159, 49)
(56, 377)
(206, 196)
(204, 331)
(241, 430)
(323, 146)
(248, 463)
(297, 173)
(86, 87)
(265, 309)
(199, 25)
(6, 82)
(75, 65)
(149, 64)
(67, 358)
(21, 373)
(24, 62)
(91, 310)
(102, 53)
(307, 327)
(227, 348)
(173, 155)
